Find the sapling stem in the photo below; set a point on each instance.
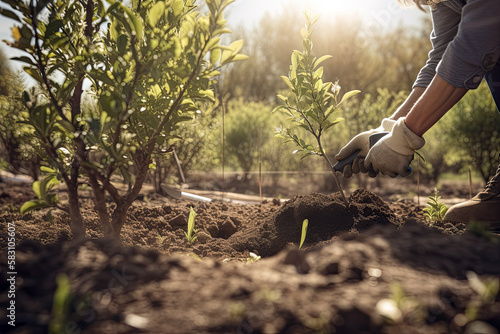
(333, 172)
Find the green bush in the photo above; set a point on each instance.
(17, 144)
(471, 132)
(247, 130)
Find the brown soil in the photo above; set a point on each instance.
(369, 267)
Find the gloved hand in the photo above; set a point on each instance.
(393, 154)
(361, 142)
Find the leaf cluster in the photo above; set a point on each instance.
(43, 191)
(435, 210)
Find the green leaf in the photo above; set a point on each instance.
(36, 189)
(348, 95)
(305, 224)
(236, 46)
(9, 14)
(319, 73)
(287, 81)
(155, 13)
(47, 169)
(239, 57)
(320, 60)
(122, 44)
(177, 7)
(53, 27)
(24, 59)
(33, 205)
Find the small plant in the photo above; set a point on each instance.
(305, 224)
(60, 305)
(436, 210)
(190, 235)
(313, 101)
(161, 239)
(253, 258)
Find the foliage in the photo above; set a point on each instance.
(17, 144)
(195, 144)
(436, 210)
(247, 129)
(148, 64)
(472, 132)
(190, 234)
(313, 103)
(305, 224)
(43, 191)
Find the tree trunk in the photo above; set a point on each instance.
(100, 205)
(119, 218)
(77, 226)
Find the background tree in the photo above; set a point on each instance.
(247, 130)
(472, 132)
(17, 144)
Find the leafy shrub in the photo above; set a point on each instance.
(471, 132)
(247, 129)
(17, 144)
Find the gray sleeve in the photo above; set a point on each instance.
(476, 48)
(445, 22)
(465, 46)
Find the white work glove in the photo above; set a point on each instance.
(361, 142)
(393, 154)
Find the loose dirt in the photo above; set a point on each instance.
(367, 267)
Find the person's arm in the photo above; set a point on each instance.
(437, 99)
(410, 101)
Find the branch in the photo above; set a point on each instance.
(41, 66)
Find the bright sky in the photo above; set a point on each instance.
(377, 14)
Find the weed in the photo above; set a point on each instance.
(436, 210)
(305, 224)
(190, 235)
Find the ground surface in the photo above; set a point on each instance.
(370, 267)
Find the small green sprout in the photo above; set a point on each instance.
(61, 304)
(253, 258)
(305, 224)
(190, 235)
(436, 210)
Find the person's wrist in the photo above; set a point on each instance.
(404, 141)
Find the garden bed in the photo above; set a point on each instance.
(369, 267)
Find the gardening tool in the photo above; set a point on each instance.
(374, 138)
(181, 194)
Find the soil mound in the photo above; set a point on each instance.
(328, 217)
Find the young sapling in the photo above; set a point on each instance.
(312, 102)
